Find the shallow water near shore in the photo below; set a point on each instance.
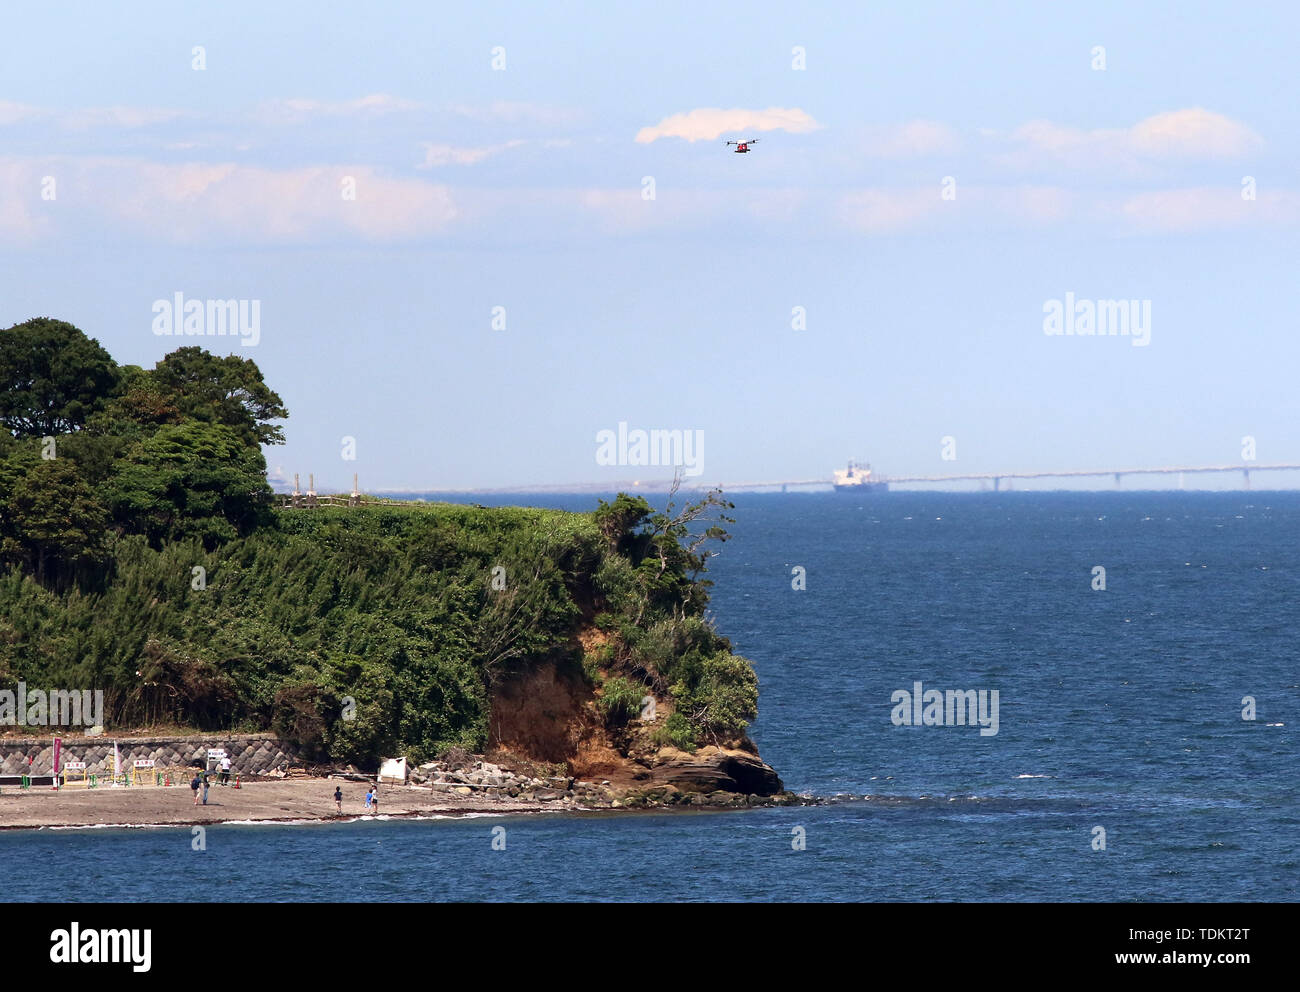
(1119, 709)
(897, 850)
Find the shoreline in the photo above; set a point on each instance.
(289, 801)
(337, 818)
(283, 801)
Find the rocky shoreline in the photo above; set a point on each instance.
(276, 784)
(713, 777)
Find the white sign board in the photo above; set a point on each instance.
(144, 762)
(75, 766)
(393, 770)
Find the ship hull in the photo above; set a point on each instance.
(863, 487)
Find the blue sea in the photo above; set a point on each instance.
(1120, 711)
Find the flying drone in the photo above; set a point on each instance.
(743, 146)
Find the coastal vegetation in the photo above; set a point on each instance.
(141, 552)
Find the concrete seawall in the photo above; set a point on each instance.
(250, 754)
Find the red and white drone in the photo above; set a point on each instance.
(743, 146)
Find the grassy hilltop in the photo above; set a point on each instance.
(140, 553)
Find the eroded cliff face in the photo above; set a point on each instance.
(550, 714)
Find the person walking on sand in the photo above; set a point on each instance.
(194, 787)
(205, 788)
(338, 797)
(225, 770)
(370, 797)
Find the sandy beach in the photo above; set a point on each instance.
(292, 799)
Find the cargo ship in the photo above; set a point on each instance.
(857, 479)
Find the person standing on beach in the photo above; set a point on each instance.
(194, 787)
(205, 787)
(225, 770)
(370, 797)
(338, 797)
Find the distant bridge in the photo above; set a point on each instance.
(309, 499)
(996, 477)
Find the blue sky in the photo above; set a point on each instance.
(522, 188)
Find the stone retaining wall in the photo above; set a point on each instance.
(250, 754)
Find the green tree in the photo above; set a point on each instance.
(225, 390)
(140, 402)
(718, 695)
(52, 523)
(191, 480)
(52, 377)
(618, 521)
(667, 549)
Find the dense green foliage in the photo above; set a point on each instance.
(52, 377)
(190, 480)
(223, 390)
(391, 607)
(144, 558)
(654, 600)
(91, 450)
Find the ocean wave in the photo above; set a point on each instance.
(103, 826)
(298, 821)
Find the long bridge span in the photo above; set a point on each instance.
(996, 478)
(300, 499)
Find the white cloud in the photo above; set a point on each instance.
(21, 215)
(118, 116)
(302, 204)
(708, 124)
(911, 140)
(300, 109)
(517, 112)
(13, 113)
(1193, 133)
(107, 199)
(1207, 209)
(128, 117)
(436, 155)
(206, 202)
